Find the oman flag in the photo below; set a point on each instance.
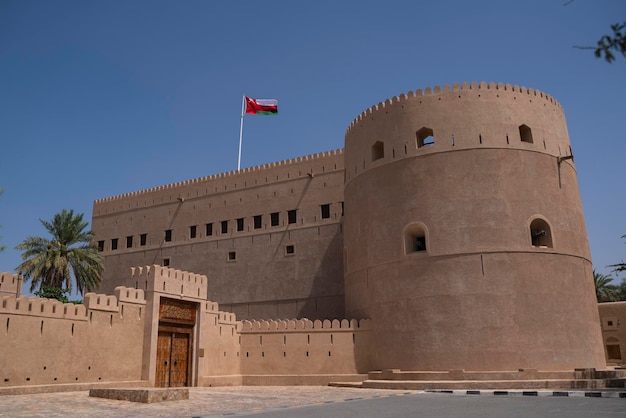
(261, 106)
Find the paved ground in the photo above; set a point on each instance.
(290, 401)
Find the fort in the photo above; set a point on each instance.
(446, 241)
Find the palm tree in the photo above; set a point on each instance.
(52, 262)
(605, 292)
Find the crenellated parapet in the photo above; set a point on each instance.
(40, 307)
(305, 325)
(167, 280)
(10, 284)
(473, 87)
(232, 180)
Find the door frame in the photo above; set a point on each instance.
(180, 329)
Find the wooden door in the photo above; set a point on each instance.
(172, 359)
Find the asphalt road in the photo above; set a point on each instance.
(467, 406)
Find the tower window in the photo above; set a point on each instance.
(378, 151)
(425, 137)
(540, 234)
(193, 229)
(129, 242)
(291, 216)
(415, 239)
(258, 221)
(232, 256)
(100, 245)
(168, 235)
(142, 239)
(208, 229)
(114, 244)
(274, 218)
(239, 224)
(525, 134)
(224, 227)
(325, 211)
(290, 249)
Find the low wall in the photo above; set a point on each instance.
(46, 342)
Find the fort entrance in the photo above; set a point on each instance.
(177, 319)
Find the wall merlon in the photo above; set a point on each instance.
(130, 295)
(10, 284)
(101, 302)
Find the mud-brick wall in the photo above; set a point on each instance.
(45, 342)
(303, 348)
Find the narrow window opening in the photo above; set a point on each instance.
(129, 242)
(208, 229)
(425, 137)
(114, 244)
(415, 239)
(378, 151)
(540, 234)
(274, 218)
(100, 246)
(258, 221)
(325, 211)
(224, 227)
(193, 230)
(525, 134)
(142, 239)
(239, 224)
(168, 235)
(291, 216)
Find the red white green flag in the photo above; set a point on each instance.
(261, 106)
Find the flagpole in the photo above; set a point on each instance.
(243, 107)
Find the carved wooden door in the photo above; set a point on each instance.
(172, 359)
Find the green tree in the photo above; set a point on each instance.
(69, 252)
(608, 44)
(605, 291)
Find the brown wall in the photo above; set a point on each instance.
(264, 280)
(613, 320)
(45, 342)
(481, 297)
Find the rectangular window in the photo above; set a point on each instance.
(224, 227)
(142, 239)
(168, 235)
(275, 218)
(325, 211)
(209, 229)
(290, 249)
(114, 244)
(239, 224)
(166, 262)
(232, 256)
(258, 221)
(192, 231)
(129, 242)
(291, 216)
(100, 245)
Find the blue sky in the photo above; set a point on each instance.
(103, 98)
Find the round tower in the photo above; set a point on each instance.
(464, 235)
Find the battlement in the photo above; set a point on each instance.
(464, 87)
(305, 324)
(257, 170)
(130, 295)
(48, 308)
(10, 284)
(168, 280)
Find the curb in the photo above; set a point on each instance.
(585, 394)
